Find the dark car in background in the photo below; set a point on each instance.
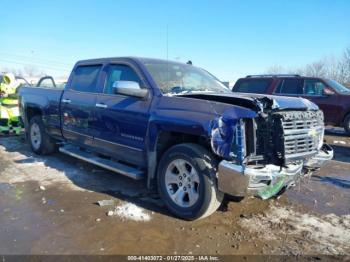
(331, 97)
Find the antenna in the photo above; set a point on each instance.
(167, 52)
(167, 42)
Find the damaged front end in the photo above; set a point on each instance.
(263, 155)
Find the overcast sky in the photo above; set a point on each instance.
(228, 38)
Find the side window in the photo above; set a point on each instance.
(313, 87)
(258, 86)
(85, 78)
(289, 86)
(119, 73)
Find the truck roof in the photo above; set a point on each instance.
(130, 58)
(279, 76)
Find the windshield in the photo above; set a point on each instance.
(338, 87)
(176, 79)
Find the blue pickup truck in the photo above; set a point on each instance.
(179, 128)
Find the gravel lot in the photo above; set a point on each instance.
(48, 205)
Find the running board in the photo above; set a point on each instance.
(105, 163)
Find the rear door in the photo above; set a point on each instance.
(78, 104)
(121, 121)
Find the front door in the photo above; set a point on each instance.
(313, 90)
(121, 121)
(78, 104)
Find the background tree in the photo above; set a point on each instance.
(336, 68)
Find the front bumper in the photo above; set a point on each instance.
(266, 181)
(324, 155)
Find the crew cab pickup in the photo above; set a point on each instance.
(179, 128)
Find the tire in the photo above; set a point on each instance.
(39, 140)
(194, 194)
(347, 124)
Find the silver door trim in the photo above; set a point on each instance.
(117, 144)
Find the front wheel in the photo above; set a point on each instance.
(186, 181)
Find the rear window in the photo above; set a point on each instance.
(258, 86)
(85, 78)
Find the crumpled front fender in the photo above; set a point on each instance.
(224, 132)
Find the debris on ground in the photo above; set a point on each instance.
(42, 188)
(109, 202)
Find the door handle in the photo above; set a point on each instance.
(101, 105)
(66, 101)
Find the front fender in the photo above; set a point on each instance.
(201, 124)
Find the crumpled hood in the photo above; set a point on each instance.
(251, 100)
(287, 102)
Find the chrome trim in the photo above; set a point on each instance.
(101, 105)
(324, 154)
(117, 144)
(242, 180)
(238, 180)
(67, 130)
(66, 101)
(99, 162)
(95, 138)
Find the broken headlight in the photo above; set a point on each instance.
(227, 138)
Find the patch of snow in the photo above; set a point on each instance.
(132, 212)
(19, 165)
(339, 142)
(330, 232)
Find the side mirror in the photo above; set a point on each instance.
(328, 91)
(129, 88)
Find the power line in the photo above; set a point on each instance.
(36, 64)
(32, 59)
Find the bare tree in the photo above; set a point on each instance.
(316, 69)
(15, 71)
(30, 71)
(275, 69)
(344, 67)
(331, 67)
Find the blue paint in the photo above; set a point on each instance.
(223, 134)
(129, 129)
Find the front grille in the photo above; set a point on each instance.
(303, 131)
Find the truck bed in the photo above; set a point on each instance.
(49, 101)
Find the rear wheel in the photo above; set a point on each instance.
(186, 181)
(39, 140)
(347, 124)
